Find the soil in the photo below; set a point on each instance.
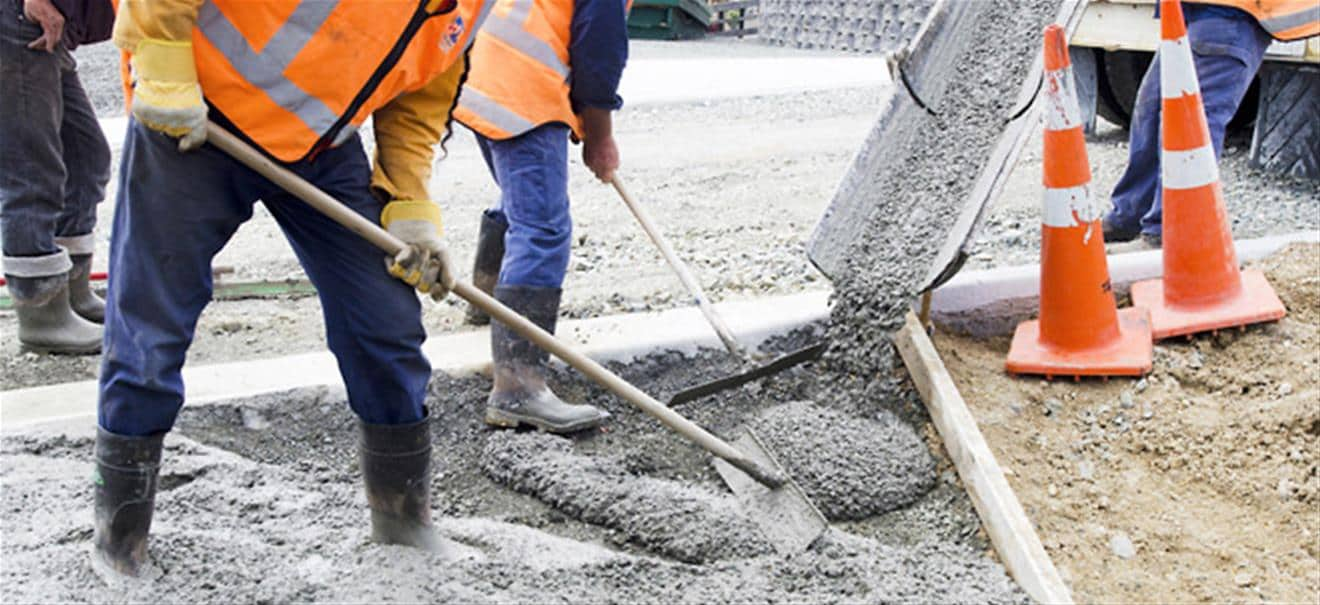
(1200, 482)
(261, 501)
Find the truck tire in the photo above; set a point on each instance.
(1119, 75)
(1287, 135)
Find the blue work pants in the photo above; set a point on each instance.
(532, 172)
(54, 161)
(1228, 51)
(175, 211)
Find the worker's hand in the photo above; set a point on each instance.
(166, 95)
(51, 20)
(425, 262)
(601, 155)
(599, 152)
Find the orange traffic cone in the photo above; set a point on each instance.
(1202, 288)
(1080, 332)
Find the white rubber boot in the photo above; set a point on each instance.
(47, 322)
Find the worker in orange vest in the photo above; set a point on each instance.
(1229, 39)
(295, 79)
(542, 71)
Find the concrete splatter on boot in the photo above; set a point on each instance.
(396, 469)
(47, 322)
(487, 262)
(84, 301)
(125, 496)
(520, 395)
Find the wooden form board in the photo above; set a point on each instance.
(1011, 533)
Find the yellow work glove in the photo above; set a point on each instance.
(166, 95)
(425, 262)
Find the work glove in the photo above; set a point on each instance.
(166, 95)
(425, 262)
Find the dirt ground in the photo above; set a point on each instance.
(1200, 482)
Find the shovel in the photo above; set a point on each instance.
(716, 322)
(787, 518)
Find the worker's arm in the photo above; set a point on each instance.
(598, 51)
(166, 95)
(407, 131)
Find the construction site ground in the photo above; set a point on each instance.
(1199, 483)
(738, 178)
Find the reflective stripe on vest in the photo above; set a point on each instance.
(508, 28)
(265, 70)
(1283, 19)
(1280, 24)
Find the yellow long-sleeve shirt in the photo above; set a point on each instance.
(407, 128)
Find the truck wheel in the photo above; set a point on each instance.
(1287, 135)
(1119, 75)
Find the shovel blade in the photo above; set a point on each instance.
(786, 517)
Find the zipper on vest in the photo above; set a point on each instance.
(415, 23)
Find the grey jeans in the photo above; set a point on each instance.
(54, 161)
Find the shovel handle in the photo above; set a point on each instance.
(684, 274)
(391, 245)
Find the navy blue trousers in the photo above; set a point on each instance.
(532, 172)
(1228, 50)
(175, 211)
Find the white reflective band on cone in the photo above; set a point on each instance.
(1188, 169)
(1069, 206)
(1177, 69)
(1061, 106)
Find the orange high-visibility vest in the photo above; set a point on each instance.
(518, 77)
(1284, 19)
(297, 77)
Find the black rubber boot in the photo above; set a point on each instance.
(520, 394)
(125, 495)
(1115, 235)
(84, 301)
(396, 468)
(486, 266)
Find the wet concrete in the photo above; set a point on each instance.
(261, 501)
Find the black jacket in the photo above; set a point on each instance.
(86, 21)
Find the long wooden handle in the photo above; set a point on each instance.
(392, 245)
(684, 274)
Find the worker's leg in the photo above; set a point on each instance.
(32, 175)
(489, 256)
(87, 159)
(173, 212)
(373, 321)
(1138, 188)
(532, 170)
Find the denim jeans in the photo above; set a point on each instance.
(174, 211)
(1227, 50)
(532, 172)
(54, 161)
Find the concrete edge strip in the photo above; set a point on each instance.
(614, 338)
(992, 302)
(1011, 531)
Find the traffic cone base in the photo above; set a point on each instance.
(1128, 355)
(1255, 303)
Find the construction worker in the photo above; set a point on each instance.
(1229, 39)
(295, 79)
(542, 71)
(54, 165)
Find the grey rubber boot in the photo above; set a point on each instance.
(396, 468)
(84, 301)
(125, 495)
(46, 320)
(520, 395)
(486, 263)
